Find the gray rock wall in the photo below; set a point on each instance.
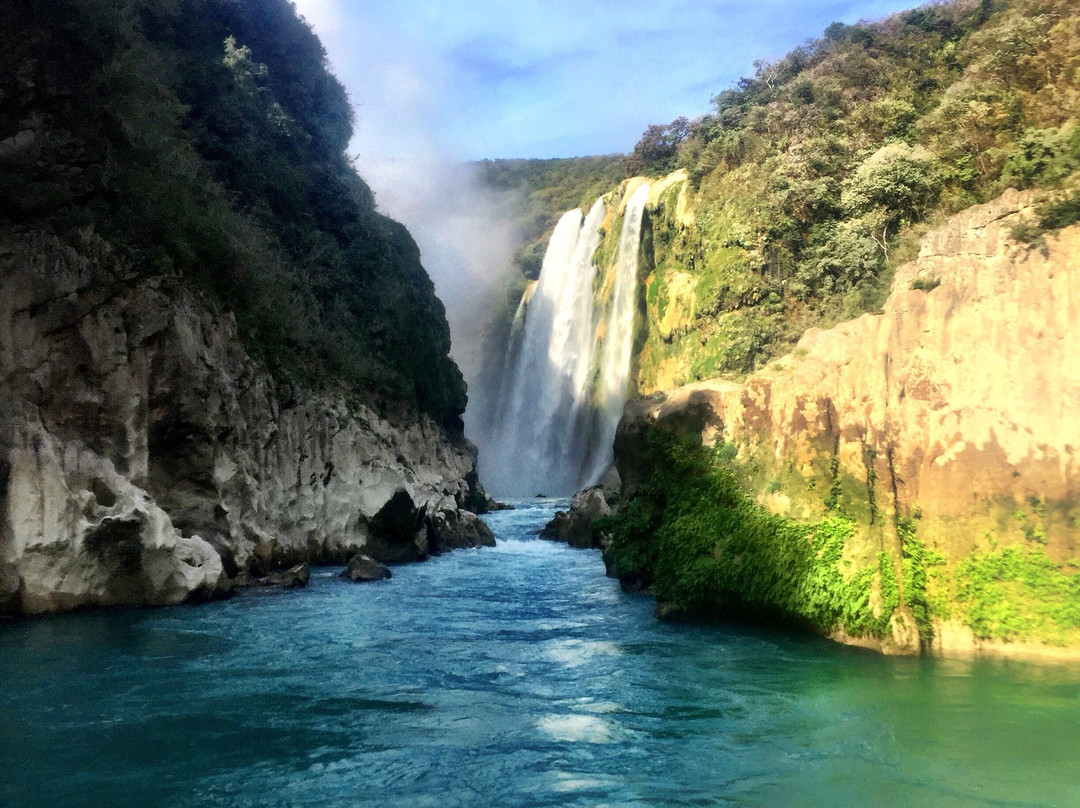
(145, 458)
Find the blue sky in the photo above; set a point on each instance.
(435, 84)
(557, 78)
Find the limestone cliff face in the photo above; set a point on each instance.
(145, 458)
(957, 408)
(958, 403)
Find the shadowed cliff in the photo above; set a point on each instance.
(205, 141)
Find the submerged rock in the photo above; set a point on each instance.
(365, 568)
(295, 577)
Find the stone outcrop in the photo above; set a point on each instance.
(146, 458)
(295, 577)
(365, 568)
(576, 527)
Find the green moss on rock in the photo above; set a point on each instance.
(691, 533)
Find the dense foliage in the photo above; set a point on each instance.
(205, 140)
(1018, 593)
(690, 532)
(813, 177)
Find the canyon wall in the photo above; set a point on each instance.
(951, 417)
(146, 458)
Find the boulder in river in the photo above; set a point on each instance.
(293, 578)
(365, 568)
(576, 526)
(454, 529)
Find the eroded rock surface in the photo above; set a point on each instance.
(145, 458)
(952, 415)
(958, 405)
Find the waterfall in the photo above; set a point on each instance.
(618, 345)
(568, 362)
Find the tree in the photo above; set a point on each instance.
(897, 178)
(657, 151)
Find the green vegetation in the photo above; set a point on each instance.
(814, 178)
(1018, 593)
(1052, 215)
(204, 139)
(918, 564)
(545, 189)
(691, 533)
(925, 284)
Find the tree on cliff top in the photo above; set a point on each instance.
(657, 151)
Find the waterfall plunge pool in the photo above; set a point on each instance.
(514, 676)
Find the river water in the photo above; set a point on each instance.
(514, 676)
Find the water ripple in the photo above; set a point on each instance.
(518, 676)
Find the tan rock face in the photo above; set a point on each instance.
(145, 458)
(959, 406)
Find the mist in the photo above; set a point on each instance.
(403, 94)
(467, 239)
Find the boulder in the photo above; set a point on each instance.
(452, 529)
(576, 526)
(293, 578)
(365, 568)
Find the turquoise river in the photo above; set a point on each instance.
(514, 676)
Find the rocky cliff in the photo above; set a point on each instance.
(942, 433)
(145, 458)
(217, 358)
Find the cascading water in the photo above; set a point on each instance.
(566, 371)
(618, 339)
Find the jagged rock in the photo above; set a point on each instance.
(451, 529)
(365, 568)
(146, 459)
(293, 578)
(82, 534)
(576, 526)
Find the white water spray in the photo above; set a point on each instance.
(567, 372)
